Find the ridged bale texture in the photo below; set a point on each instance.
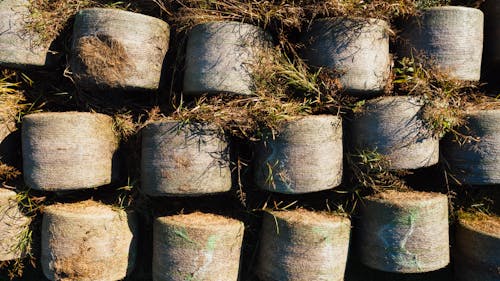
(357, 48)
(492, 32)
(68, 150)
(118, 49)
(13, 224)
(88, 241)
(451, 37)
(305, 156)
(196, 246)
(393, 126)
(220, 57)
(405, 232)
(19, 47)
(302, 245)
(184, 159)
(476, 161)
(477, 249)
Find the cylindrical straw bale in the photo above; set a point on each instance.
(492, 31)
(20, 47)
(477, 160)
(118, 49)
(196, 246)
(220, 57)
(477, 248)
(68, 150)
(357, 48)
(184, 159)
(88, 241)
(14, 226)
(405, 232)
(393, 126)
(305, 156)
(302, 245)
(450, 37)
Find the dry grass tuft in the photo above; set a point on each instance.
(8, 173)
(124, 125)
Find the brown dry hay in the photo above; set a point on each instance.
(404, 197)
(198, 220)
(8, 173)
(302, 216)
(104, 59)
(480, 221)
(87, 208)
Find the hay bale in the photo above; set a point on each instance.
(196, 246)
(88, 241)
(477, 248)
(405, 232)
(68, 150)
(118, 49)
(19, 47)
(476, 162)
(492, 32)
(305, 156)
(450, 36)
(303, 245)
(393, 126)
(357, 48)
(13, 225)
(184, 159)
(220, 57)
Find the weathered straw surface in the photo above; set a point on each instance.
(393, 126)
(220, 57)
(305, 156)
(12, 224)
(182, 159)
(451, 37)
(68, 150)
(492, 31)
(19, 47)
(404, 232)
(302, 245)
(357, 48)
(477, 161)
(118, 49)
(196, 246)
(477, 249)
(88, 241)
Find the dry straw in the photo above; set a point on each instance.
(184, 159)
(88, 241)
(303, 245)
(477, 247)
(13, 224)
(405, 232)
(475, 160)
(196, 246)
(304, 156)
(118, 49)
(393, 126)
(68, 150)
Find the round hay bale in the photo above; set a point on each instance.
(13, 227)
(451, 37)
(19, 47)
(393, 126)
(196, 246)
(88, 241)
(357, 48)
(220, 57)
(404, 232)
(492, 32)
(303, 245)
(477, 248)
(305, 156)
(184, 159)
(68, 150)
(476, 162)
(118, 49)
